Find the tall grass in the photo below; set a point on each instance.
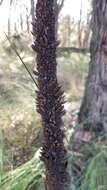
(96, 174)
(29, 173)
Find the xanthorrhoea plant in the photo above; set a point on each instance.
(50, 100)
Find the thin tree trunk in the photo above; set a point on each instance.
(50, 97)
(9, 18)
(9, 22)
(80, 28)
(27, 20)
(94, 106)
(21, 22)
(15, 28)
(33, 11)
(87, 31)
(57, 8)
(9, 28)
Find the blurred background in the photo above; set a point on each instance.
(20, 126)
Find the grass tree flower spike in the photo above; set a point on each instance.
(50, 98)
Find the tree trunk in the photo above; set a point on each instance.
(80, 28)
(27, 21)
(33, 11)
(9, 19)
(21, 22)
(49, 97)
(8, 25)
(87, 31)
(15, 29)
(57, 8)
(94, 106)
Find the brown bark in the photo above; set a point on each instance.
(49, 97)
(94, 105)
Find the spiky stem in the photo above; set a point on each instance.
(50, 100)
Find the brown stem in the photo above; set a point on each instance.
(50, 97)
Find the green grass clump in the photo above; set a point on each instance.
(89, 164)
(96, 174)
(20, 178)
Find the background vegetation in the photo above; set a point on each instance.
(20, 125)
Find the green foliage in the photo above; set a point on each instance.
(96, 173)
(19, 178)
(18, 119)
(89, 164)
(17, 98)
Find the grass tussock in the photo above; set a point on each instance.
(25, 175)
